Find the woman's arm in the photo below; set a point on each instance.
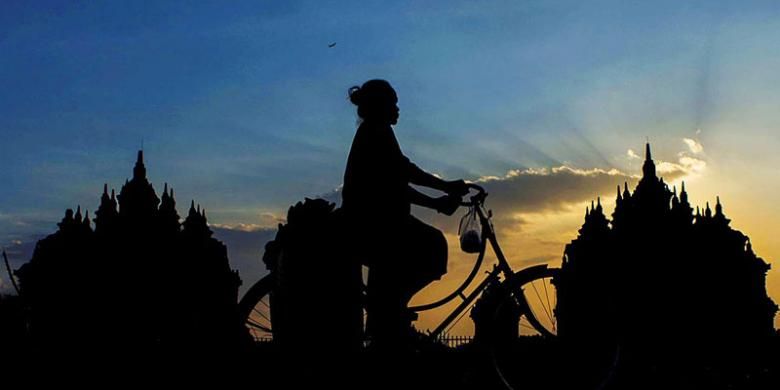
(425, 179)
(420, 199)
(445, 204)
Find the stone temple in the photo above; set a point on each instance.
(664, 281)
(140, 280)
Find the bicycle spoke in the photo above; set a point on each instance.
(529, 327)
(539, 297)
(265, 304)
(258, 326)
(547, 296)
(261, 314)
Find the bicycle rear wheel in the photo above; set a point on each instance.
(254, 309)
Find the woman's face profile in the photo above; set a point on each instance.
(389, 108)
(393, 110)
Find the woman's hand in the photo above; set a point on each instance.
(447, 204)
(457, 188)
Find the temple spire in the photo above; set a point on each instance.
(104, 198)
(67, 220)
(139, 171)
(648, 168)
(719, 216)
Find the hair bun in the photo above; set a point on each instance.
(355, 95)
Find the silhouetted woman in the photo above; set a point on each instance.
(403, 253)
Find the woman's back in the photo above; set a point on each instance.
(376, 177)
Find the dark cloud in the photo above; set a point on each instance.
(543, 190)
(547, 190)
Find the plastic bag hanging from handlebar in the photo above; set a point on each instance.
(470, 232)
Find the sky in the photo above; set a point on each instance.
(243, 107)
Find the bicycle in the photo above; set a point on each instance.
(512, 288)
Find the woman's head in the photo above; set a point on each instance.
(376, 101)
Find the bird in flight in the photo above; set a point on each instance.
(332, 44)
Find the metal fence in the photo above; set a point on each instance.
(455, 341)
(450, 341)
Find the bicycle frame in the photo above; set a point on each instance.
(502, 267)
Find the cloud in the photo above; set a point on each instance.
(242, 227)
(270, 220)
(685, 164)
(692, 166)
(19, 252)
(266, 220)
(694, 146)
(550, 189)
(632, 155)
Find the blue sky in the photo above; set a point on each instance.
(243, 107)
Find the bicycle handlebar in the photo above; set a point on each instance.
(477, 198)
